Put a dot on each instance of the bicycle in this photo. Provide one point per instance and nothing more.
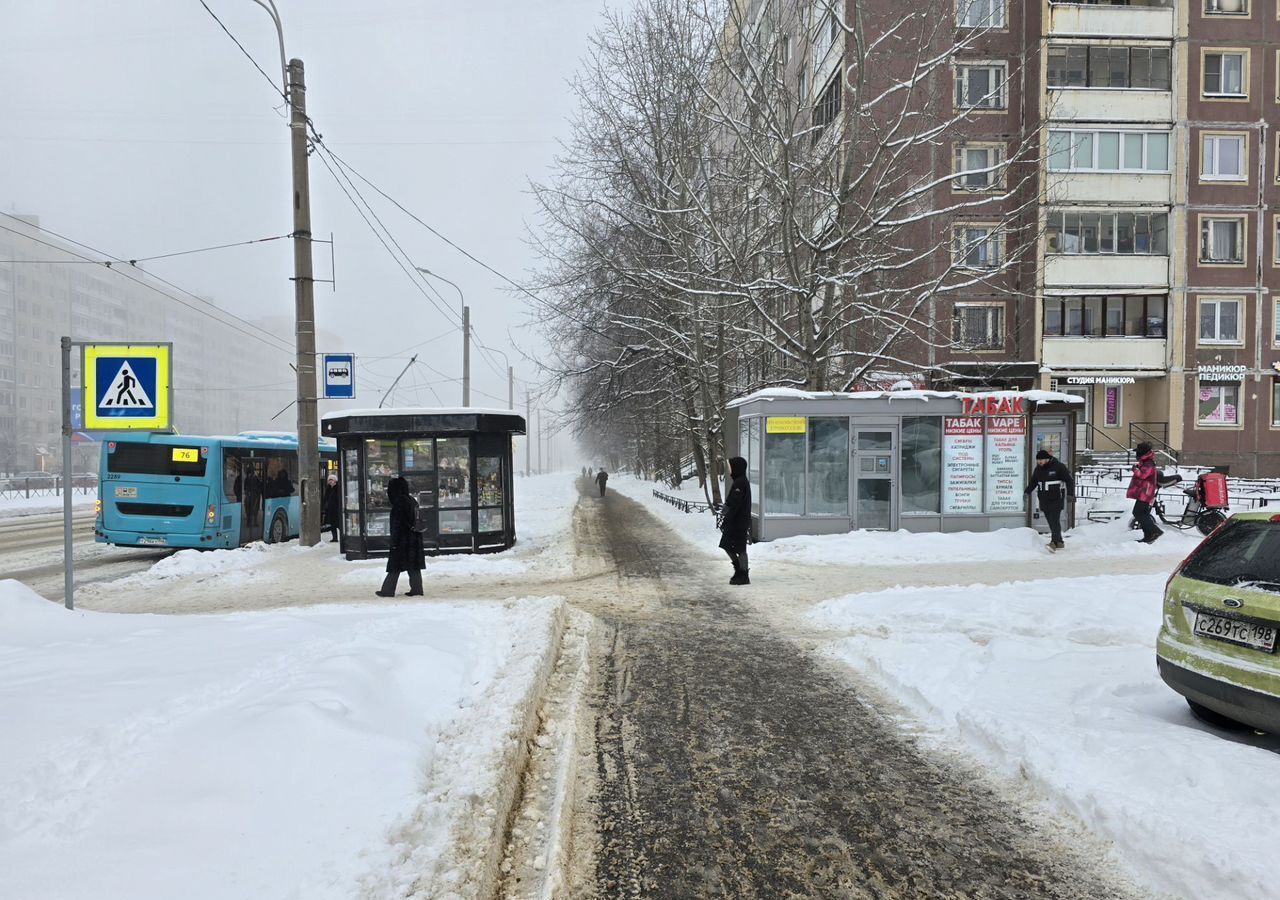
(1198, 513)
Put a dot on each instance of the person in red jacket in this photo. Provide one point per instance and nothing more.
(1142, 490)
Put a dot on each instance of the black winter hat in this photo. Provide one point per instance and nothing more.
(1043, 454)
(1142, 449)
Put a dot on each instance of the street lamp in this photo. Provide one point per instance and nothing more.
(466, 335)
(295, 93)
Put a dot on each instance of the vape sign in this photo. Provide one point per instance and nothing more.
(339, 376)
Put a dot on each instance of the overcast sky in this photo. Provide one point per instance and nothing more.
(139, 128)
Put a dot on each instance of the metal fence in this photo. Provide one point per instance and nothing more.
(12, 486)
(686, 504)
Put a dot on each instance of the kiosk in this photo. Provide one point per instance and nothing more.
(457, 463)
(827, 463)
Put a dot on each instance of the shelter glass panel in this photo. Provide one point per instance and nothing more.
(784, 474)
(828, 466)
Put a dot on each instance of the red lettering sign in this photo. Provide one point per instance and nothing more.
(993, 406)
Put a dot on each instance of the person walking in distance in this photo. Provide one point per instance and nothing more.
(1053, 486)
(1142, 491)
(736, 522)
(332, 507)
(407, 554)
(602, 478)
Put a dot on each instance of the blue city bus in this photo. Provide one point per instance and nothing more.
(180, 490)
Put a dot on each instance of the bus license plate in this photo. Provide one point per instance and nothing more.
(126, 492)
(153, 540)
(1248, 634)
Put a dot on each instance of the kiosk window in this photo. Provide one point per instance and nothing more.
(828, 466)
(921, 464)
(454, 457)
(784, 474)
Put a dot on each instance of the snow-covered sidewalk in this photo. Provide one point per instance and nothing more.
(1051, 682)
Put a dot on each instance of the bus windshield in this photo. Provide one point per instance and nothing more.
(155, 459)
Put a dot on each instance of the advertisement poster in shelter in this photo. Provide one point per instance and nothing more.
(1006, 463)
(962, 464)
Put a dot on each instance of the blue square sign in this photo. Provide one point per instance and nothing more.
(339, 376)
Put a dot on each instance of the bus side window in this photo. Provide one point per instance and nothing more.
(232, 477)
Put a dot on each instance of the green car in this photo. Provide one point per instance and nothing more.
(1217, 644)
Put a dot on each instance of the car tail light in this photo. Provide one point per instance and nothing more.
(212, 515)
(1276, 518)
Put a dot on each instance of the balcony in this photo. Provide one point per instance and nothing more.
(1108, 273)
(1114, 354)
(1065, 188)
(1138, 20)
(1130, 105)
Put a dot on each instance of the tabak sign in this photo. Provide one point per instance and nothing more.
(984, 454)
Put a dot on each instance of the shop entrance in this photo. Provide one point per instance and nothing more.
(1050, 433)
(1084, 435)
(875, 453)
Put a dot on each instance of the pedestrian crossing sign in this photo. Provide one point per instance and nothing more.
(130, 387)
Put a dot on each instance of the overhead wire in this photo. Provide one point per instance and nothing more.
(133, 261)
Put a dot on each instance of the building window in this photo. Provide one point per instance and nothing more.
(1090, 233)
(1226, 7)
(978, 167)
(1108, 151)
(1087, 66)
(1224, 74)
(980, 13)
(1220, 321)
(1222, 157)
(828, 105)
(981, 86)
(1218, 404)
(1275, 240)
(1222, 240)
(979, 326)
(825, 37)
(976, 246)
(1115, 316)
(1275, 403)
(1275, 322)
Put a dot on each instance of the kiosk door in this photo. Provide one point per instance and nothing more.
(875, 477)
(1051, 433)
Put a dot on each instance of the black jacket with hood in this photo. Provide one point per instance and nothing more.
(1054, 482)
(736, 524)
(406, 542)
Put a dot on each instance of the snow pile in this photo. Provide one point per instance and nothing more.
(322, 752)
(1054, 681)
(20, 505)
(1088, 539)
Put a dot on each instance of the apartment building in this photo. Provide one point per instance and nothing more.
(1229, 379)
(225, 380)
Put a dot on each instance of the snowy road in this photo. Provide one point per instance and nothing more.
(729, 762)
(31, 552)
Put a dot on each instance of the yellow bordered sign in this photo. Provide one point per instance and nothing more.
(127, 387)
(784, 425)
(186, 455)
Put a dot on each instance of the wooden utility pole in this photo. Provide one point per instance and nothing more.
(304, 313)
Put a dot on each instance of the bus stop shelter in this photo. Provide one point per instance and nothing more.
(827, 463)
(457, 463)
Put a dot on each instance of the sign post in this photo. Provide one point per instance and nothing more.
(124, 387)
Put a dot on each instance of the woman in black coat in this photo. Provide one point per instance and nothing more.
(407, 554)
(735, 526)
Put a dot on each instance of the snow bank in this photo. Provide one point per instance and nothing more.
(1055, 681)
(1088, 540)
(17, 505)
(320, 752)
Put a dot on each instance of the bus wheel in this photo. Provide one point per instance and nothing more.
(279, 530)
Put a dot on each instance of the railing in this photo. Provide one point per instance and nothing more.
(1154, 433)
(687, 505)
(1242, 493)
(44, 487)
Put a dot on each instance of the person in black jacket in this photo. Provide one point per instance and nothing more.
(602, 478)
(332, 508)
(736, 523)
(1054, 486)
(407, 554)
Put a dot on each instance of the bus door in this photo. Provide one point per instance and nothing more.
(254, 473)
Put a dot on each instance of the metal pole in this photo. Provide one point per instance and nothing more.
(466, 355)
(304, 303)
(68, 561)
(511, 389)
(539, 441)
(528, 434)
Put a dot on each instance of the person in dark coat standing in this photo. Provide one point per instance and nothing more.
(1142, 491)
(602, 478)
(407, 554)
(333, 508)
(1054, 486)
(736, 522)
